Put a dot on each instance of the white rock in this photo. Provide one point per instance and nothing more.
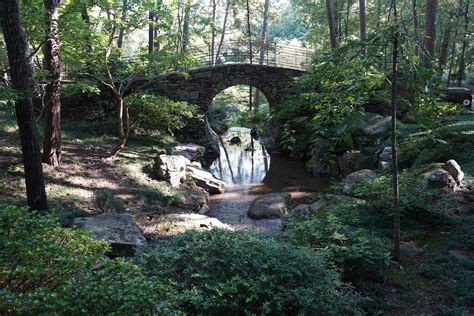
(206, 180)
(454, 170)
(171, 168)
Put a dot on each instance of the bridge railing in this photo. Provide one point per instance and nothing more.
(274, 54)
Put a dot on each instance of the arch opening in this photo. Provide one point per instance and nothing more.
(238, 106)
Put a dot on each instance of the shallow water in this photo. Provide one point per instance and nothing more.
(250, 174)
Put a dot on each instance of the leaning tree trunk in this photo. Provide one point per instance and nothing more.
(21, 74)
(331, 23)
(249, 35)
(52, 58)
(430, 32)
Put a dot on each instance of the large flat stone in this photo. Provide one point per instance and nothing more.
(118, 229)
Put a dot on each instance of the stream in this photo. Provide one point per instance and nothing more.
(250, 174)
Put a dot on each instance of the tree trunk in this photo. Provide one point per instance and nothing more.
(348, 11)
(123, 123)
(263, 48)
(156, 35)
(187, 16)
(462, 60)
(332, 31)
(21, 70)
(249, 35)
(443, 55)
(415, 27)
(224, 26)
(453, 46)
(395, 186)
(362, 22)
(151, 32)
(213, 31)
(430, 32)
(124, 19)
(52, 60)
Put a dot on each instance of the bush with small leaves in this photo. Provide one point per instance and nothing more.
(227, 273)
(47, 269)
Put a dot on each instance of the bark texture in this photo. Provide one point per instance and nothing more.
(52, 129)
(21, 70)
(430, 31)
(331, 23)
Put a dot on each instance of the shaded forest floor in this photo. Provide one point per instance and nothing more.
(86, 183)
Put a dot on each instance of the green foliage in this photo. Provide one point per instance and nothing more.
(220, 272)
(417, 200)
(157, 113)
(8, 96)
(46, 269)
(330, 98)
(429, 112)
(251, 118)
(82, 87)
(335, 233)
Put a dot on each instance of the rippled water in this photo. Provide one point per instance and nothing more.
(251, 173)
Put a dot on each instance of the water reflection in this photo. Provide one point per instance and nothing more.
(251, 173)
(241, 164)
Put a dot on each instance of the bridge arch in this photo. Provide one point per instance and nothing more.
(200, 86)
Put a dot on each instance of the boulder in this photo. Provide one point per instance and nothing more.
(206, 180)
(409, 249)
(454, 170)
(440, 178)
(375, 124)
(271, 205)
(349, 182)
(119, 230)
(351, 161)
(385, 158)
(192, 152)
(177, 223)
(235, 140)
(171, 168)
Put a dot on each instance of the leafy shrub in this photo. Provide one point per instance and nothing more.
(417, 200)
(331, 232)
(46, 269)
(330, 99)
(157, 113)
(226, 273)
(429, 112)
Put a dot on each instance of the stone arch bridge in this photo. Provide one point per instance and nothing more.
(200, 86)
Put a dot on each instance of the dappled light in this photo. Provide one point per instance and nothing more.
(256, 157)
